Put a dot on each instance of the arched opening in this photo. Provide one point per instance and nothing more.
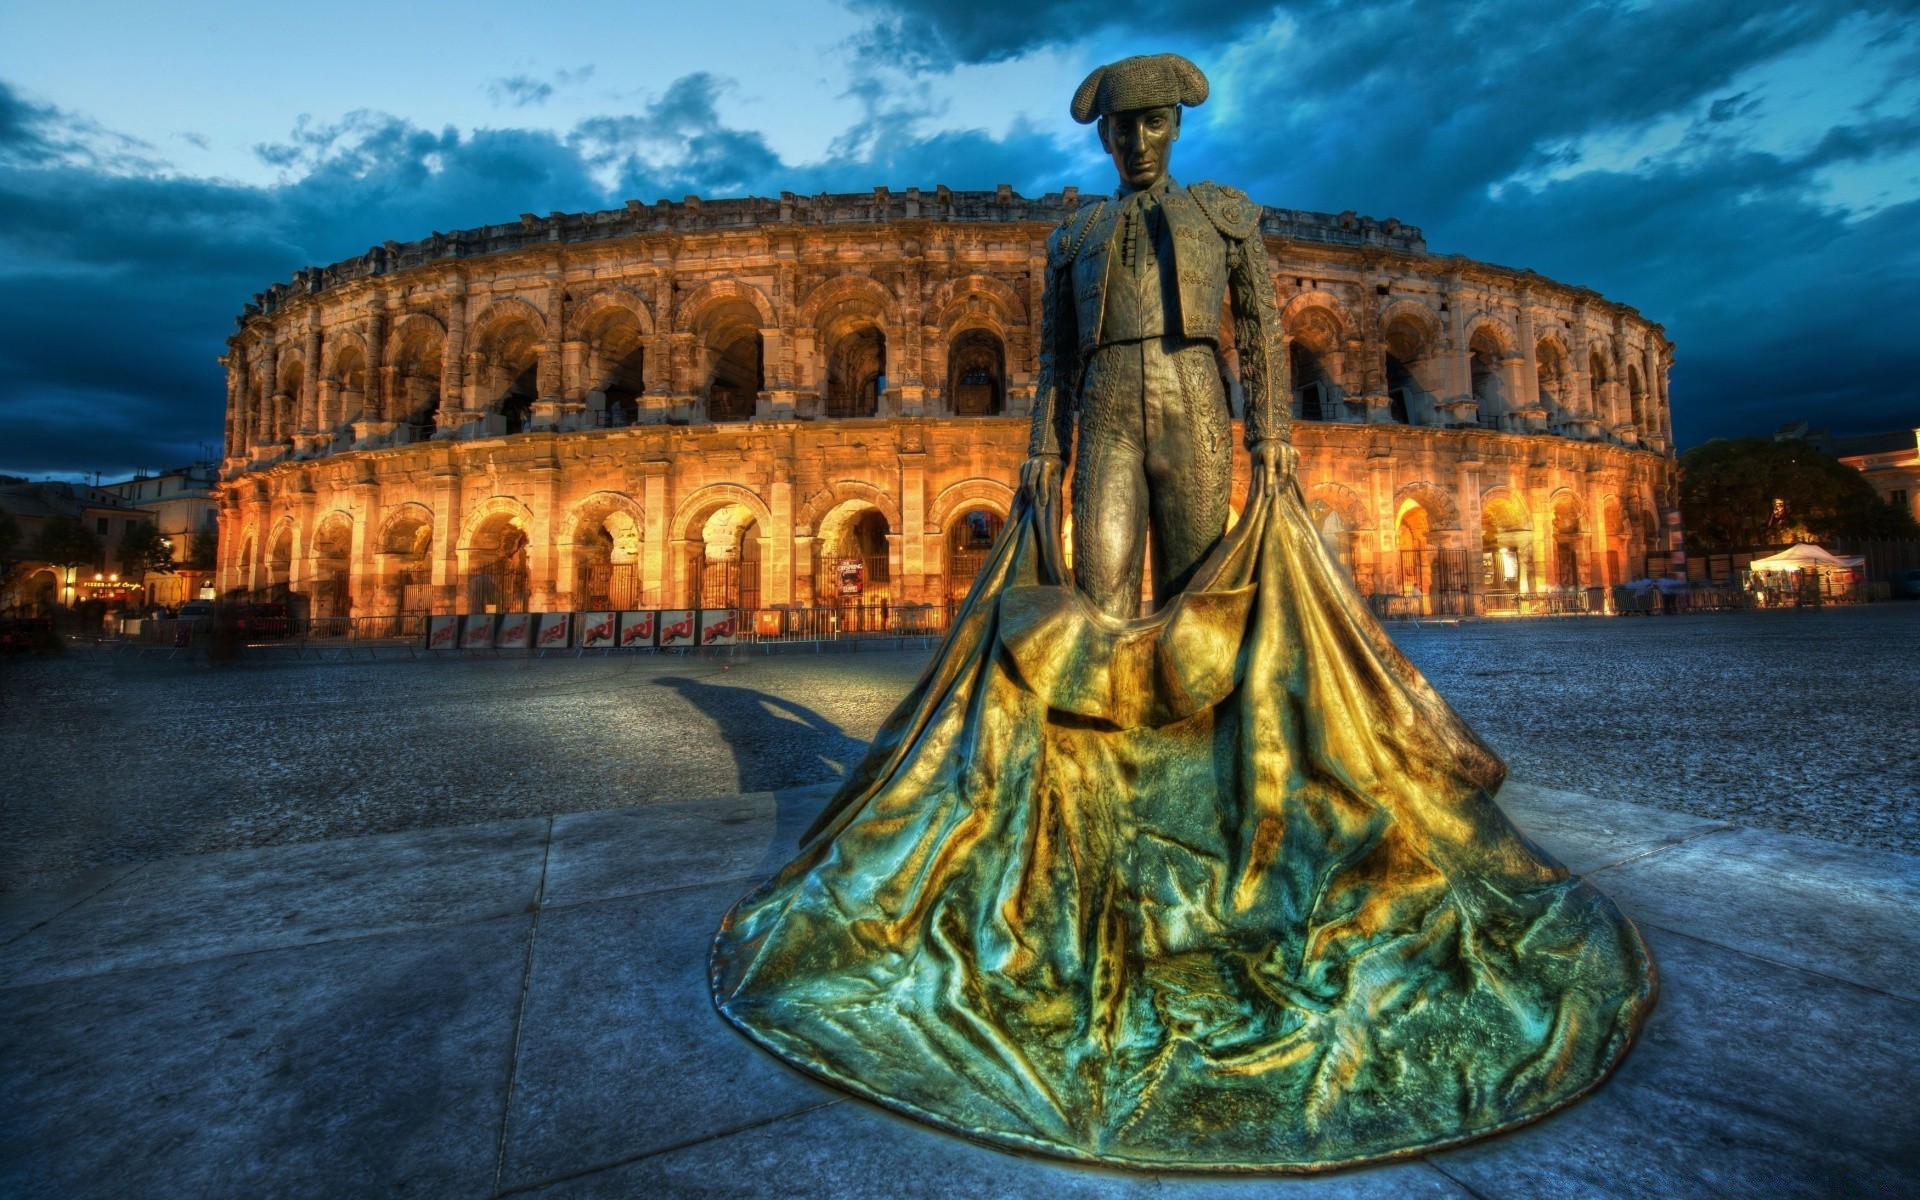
(497, 571)
(970, 536)
(1485, 357)
(1335, 532)
(1312, 386)
(1408, 350)
(1413, 537)
(414, 403)
(408, 548)
(41, 592)
(607, 560)
(332, 560)
(1597, 386)
(509, 375)
(723, 569)
(290, 389)
(1506, 549)
(1550, 368)
(731, 350)
(1637, 399)
(280, 564)
(350, 388)
(1614, 527)
(243, 567)
(616, 362)
(856, 366)
(976, 373)
(1566, 542)
(852, 569)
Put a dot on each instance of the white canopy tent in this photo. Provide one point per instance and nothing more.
(1806, 557)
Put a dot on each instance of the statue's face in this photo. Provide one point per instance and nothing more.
(1141, 142)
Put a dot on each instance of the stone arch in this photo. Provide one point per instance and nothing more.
(1566, 526)
(967, 494)
(282, 549)
(415, 352)
(692, 511)
(1318, 315)
(849, 289)
(1506, 542)
(1489, 346)
(605, 541)
(405, 556)
(346, 377)
(331, 565)
(584, 314)
(1340, 516)
(726, 319)
(614, 334)
(1410, 361)
(496, 552)
(1553, 373)
(855, 528)
(289, 389)
(507, 340)
(824, 501)
(715, 293)
(401, 524)
(977, 301)
(1493, 330)
(1441, 509)
(482, 524)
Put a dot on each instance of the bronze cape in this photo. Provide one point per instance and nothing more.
(1223, 888)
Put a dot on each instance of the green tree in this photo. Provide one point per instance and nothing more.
(203, 551)
(143, 549)
(1761, 492)
(64, 542)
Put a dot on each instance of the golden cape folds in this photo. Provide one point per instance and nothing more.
(1223, 888)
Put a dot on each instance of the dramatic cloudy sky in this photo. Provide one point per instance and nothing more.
(1746, 173)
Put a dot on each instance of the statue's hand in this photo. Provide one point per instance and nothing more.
(1277, 458)
(1040, 479)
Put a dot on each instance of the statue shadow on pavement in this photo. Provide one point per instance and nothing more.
(778, 746)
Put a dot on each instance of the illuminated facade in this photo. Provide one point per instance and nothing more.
(809, 401)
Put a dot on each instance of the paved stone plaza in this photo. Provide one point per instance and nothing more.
(497, 988)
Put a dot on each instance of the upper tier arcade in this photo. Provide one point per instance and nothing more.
(881, 304)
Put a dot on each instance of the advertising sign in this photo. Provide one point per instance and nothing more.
(676, 627)
(477, 632)
(853, 576)
(638, 628)
(516, 632)
(598, 629)
(443, 633)
(551, 630)
(719, 627)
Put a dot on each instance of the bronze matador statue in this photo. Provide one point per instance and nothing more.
(1219, 887)
(1129, 337)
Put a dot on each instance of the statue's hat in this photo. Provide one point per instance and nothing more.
(1143, 81)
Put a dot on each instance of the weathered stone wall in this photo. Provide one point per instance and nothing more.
(642, 388)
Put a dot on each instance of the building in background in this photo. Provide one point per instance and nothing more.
(183, 504)
(822, 401)
(1890, 461)
(39, 587)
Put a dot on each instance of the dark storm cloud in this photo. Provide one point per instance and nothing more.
(119, 283)
(119, 278)
(1784, 303)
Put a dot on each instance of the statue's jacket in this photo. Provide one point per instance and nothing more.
(1217, 256)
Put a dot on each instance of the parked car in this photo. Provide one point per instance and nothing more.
(1910, 585)
(193, 610)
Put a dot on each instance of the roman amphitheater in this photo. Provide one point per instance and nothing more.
(820, 402)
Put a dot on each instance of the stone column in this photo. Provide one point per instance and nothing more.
(776, 558)
(374, 404)
(653, 575)
(453, 362)
(911, 541)
(449, 595)
(309, 417)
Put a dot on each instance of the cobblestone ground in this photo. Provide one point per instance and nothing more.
(1801, 721)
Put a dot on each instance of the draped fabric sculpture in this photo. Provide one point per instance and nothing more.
(1222, 887)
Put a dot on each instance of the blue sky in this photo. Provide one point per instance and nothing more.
(1748, 174)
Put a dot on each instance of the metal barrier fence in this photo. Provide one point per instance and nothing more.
(195, 631)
